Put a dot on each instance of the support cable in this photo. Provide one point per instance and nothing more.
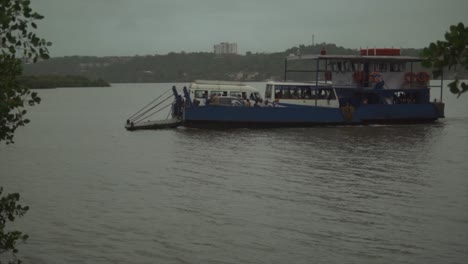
(149, 104)
(159, 110)
(148, 110)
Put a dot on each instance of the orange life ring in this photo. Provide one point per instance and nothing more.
(375, 77)
(328, 75)
(409, 77)
(358, 76)
(422, 77)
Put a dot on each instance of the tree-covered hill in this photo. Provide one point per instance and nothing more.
(183, 67)
(55, 81)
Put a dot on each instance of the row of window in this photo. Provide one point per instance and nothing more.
(347, 66)
(299, 92)
(204, 94)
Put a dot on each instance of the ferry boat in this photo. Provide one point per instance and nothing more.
(376, 86)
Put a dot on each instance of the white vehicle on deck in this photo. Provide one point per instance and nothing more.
(201, 91)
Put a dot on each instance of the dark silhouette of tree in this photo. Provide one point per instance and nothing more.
(17, 41)
(449, 54)
(9, 210)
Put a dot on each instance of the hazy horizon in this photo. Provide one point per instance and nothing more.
(145, 27)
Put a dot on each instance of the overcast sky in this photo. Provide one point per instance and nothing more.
(140, 27)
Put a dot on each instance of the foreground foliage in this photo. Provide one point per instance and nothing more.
(17, 40)
(10, 209)
(449, 54)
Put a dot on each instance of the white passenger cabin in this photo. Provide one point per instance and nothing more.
(201, 90)
(301, 94)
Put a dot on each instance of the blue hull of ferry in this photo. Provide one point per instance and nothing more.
(217, 116)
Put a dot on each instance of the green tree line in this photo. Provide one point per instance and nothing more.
(186, 67)
(55, 81)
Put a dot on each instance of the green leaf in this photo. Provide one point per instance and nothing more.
(37, 16)
(464, 87)
(454, 87)
(44, 56)
(448, 54)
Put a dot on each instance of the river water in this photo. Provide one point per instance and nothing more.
(364, 194)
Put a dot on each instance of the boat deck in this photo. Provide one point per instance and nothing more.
(158, 124)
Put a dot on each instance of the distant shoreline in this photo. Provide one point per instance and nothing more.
(59, 81)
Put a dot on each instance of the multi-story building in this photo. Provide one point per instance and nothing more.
(225, 48)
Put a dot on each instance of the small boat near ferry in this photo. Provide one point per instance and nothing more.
(376, 86)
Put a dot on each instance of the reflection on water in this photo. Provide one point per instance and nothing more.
(365, 194)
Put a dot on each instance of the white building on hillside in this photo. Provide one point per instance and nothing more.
(225, 48)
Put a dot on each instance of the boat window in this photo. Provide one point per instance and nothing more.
(402, 67)
(278, 91)
(339, 66)
(235, 94)
(295, 92)
(290, 92)
(299, 91)
(329, 94)
(200, 93)
(356, 67)
(257, 96)
(268, 91)
(307, 92)
(320, 94)
(218, 93)
(405, 98)
(380, 67)
(346, 66)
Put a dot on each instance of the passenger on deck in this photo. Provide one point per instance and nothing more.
(279, 94)
(207, 99)
(402, 98)
(257, 103)
(379, 85)
(247, 103)
(236, 102)
(215, 99)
